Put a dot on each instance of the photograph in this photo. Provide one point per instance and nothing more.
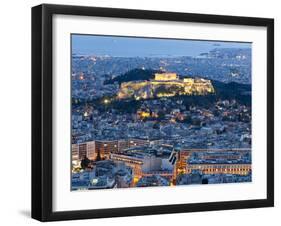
(147, 112)
(153, 112)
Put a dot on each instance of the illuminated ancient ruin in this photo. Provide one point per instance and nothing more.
(165, 85)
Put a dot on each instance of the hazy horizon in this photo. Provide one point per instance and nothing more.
(145, 47)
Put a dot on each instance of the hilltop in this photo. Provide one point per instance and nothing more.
(232, 90)
(133, 75)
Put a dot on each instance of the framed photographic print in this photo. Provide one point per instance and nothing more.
(146, 112)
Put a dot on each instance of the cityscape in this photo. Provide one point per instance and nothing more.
(159, 112)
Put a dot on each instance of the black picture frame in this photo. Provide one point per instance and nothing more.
(42, 106)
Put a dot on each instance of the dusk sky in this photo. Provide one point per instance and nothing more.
(145, 47)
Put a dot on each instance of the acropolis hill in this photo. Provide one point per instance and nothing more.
(165, 85)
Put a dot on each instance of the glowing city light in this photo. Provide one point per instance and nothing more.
(106, 101)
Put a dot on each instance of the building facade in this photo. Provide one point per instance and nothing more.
(79, 151)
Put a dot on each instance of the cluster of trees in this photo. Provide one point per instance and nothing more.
(233, 91)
